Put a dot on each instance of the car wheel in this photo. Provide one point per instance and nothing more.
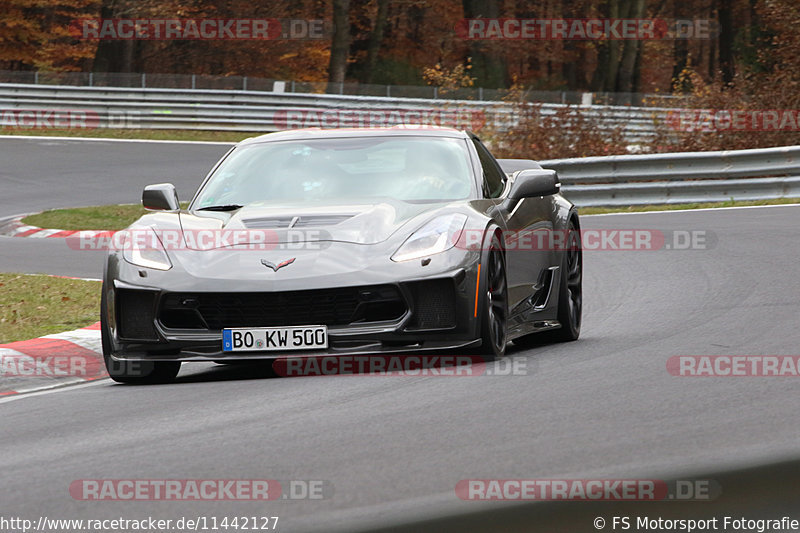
(495, 303)
(133, 372)
(570, 296)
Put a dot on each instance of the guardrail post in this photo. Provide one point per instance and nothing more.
(341, 87)
(292, 85)
(244, 83)
(143, 80)
(194, 81)
(435, 93)
(388, 90)
(480, 93)
(91, 79)
(36, 78)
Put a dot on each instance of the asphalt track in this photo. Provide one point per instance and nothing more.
(393, 448)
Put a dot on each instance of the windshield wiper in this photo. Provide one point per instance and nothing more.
(228, 207)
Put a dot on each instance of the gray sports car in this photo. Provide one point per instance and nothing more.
(349, 241)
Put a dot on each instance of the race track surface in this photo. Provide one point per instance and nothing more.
(393, 448)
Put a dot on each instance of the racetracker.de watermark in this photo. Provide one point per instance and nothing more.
(586, 490)
(399, 366)
(533, 240)
(49, 119)
(728, 366)
(262, 29)
(198, 240)
(67, 119)
(733, 120)
(460, 118)
(542, 239)
(199, 489)
(50, 366)
(574, 29)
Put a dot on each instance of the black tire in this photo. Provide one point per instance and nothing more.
(132, 372)
(570, 296)
(494, 315)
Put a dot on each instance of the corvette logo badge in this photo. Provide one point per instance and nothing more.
(275, 267)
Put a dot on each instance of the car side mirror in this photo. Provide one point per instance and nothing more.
(160, 197)
(534, 182)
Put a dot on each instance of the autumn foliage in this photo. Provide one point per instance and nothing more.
(749, 63)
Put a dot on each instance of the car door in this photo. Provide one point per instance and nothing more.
(529, 226)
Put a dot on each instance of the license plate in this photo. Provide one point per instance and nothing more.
(274, 339)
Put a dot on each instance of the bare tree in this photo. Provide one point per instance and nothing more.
(726, 37)
(376, 39)
(487, 64)
(626, 79)
(340, 42)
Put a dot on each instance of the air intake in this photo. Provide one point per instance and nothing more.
(267, 222)
(320, 220)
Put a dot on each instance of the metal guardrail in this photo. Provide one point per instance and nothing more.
(249, 83)
(264, 111)
(591, 181)
(688, 177)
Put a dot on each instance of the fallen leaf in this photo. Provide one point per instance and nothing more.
(65, 298)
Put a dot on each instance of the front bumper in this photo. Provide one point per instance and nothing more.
(138, 330)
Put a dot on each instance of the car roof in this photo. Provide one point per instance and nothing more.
(332, 133)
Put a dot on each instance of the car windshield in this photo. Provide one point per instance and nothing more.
(413, 169)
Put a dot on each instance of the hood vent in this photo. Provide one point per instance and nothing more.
(320, 220)
(295, 222)
(268, 222)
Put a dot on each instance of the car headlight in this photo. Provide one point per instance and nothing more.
(142, 247)
(438, 235)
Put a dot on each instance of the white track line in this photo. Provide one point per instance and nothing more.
(59, 387)
(105, 139)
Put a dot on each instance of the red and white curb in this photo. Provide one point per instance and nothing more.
(15, 228)
(52, 361)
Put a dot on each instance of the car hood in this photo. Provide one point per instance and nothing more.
(364, 223)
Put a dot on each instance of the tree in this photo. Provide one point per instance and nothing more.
(340, 42)
(376, 39)
(487, 64)
(39, 34)
(726, 38)
(626, 79)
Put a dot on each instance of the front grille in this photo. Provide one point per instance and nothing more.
(135, 314)
(434, 304)
(329, 307)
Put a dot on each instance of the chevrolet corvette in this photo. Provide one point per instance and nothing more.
(345, 241)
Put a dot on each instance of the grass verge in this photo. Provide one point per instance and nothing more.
(36, 305)
(110, 217)
(99, 217)
(679, 207)
(130, 133)
(116, 217)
